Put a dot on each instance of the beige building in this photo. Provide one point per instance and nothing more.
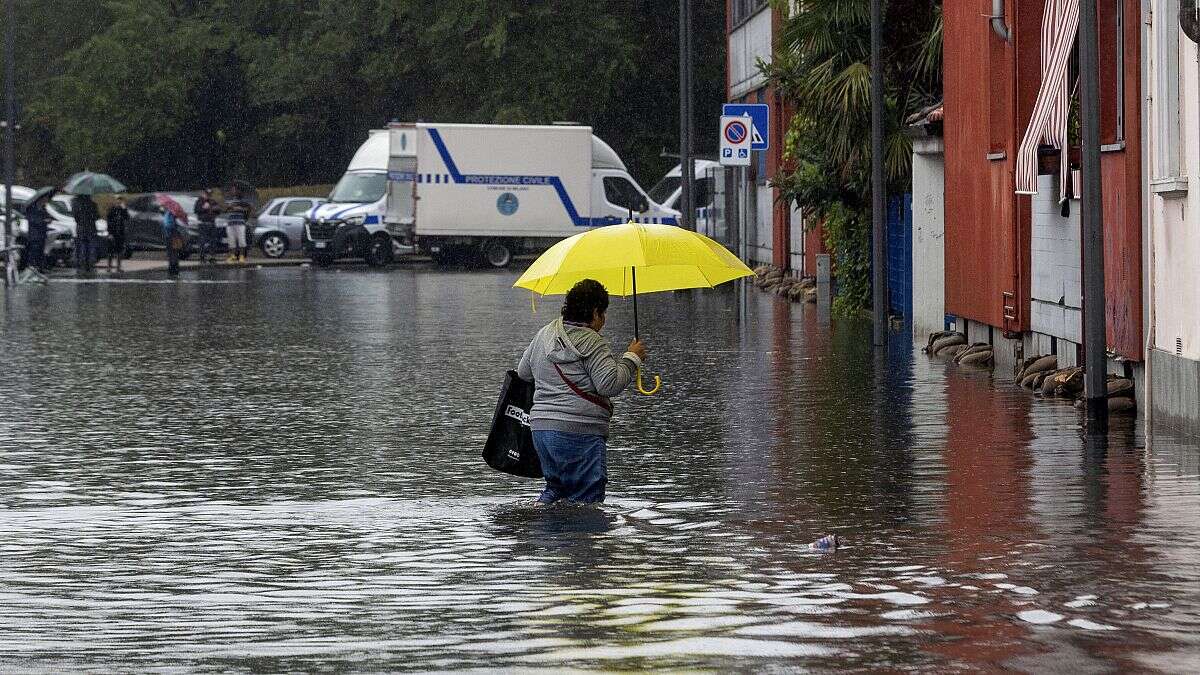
(1172, 218)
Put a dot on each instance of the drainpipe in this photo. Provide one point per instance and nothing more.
(998, 24)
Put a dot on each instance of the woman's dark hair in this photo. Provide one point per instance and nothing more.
(583, 300)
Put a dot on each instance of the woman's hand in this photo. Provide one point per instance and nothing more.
(638, 349)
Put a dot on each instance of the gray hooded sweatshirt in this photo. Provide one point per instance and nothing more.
(585, 360)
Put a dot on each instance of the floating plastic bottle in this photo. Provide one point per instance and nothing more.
(826, 543)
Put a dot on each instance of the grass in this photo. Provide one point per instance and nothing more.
(267, 194)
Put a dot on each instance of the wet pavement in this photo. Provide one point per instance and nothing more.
(279, 469)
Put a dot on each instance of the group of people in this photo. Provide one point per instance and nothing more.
(237, 211)
(86, 214)
(87, 239)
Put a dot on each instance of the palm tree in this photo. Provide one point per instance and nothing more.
(821, 67)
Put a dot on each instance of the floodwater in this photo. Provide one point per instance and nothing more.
(281, 472)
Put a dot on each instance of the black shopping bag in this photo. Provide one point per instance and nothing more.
(509, 445)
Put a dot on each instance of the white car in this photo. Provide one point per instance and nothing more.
(60, 238)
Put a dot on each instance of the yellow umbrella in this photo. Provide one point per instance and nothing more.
(634, 257)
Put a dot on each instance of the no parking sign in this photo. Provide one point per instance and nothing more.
(736, 138)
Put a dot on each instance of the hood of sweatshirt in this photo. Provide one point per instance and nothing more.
(564, 342)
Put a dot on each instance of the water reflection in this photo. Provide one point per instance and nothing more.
(280, 472)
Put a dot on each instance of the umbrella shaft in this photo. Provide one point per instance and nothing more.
(636, 335)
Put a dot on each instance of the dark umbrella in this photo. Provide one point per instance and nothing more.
(92, 183)
(174, 207)
(43, 193)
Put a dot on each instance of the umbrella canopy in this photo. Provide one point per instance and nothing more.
(92, 183)
(634, 258)
(174, 207)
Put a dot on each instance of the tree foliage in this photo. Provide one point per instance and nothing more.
(822, 67)
(182, 93)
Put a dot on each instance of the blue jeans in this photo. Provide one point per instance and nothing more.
(575, 466)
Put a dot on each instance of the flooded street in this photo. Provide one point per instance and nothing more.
(279, 470)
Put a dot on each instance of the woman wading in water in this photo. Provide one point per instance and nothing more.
(575, 374)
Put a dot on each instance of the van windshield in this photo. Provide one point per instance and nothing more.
(664, 189)
(359, 188)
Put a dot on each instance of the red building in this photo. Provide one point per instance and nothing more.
(1012, 260)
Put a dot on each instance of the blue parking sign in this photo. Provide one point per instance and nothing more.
(760, 117)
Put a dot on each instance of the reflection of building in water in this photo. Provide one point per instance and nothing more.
(986, 515)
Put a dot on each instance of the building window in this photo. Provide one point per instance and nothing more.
(1167, 160)
(744, 9)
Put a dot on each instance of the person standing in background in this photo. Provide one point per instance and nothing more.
(207, 210)
(35, 239)
(118, 218)
(86, 213)
(235, 227)
(173, 238)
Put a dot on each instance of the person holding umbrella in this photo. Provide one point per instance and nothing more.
(39, 222)
(86, 213)
(174, 236)
(576, 374)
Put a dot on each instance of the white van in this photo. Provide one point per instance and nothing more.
(668, 191)
(500, 190)
(351, 223)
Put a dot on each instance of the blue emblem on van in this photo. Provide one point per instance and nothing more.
(507, 204)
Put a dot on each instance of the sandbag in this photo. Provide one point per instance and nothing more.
(973, 349)
(984, 358)
(948, 341)
(1040, 364)
(952, 351)
(1120, 386)
(934, 337)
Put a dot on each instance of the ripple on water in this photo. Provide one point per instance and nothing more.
(281, 472)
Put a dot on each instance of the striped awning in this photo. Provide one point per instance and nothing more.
(1060, 24)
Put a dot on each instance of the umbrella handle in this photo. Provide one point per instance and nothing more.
(642, 388)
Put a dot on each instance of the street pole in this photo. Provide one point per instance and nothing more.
(879, 280)
(686, 163)
(1095, 343)
(10, 130)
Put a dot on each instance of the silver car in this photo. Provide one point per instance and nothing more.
(281, 224)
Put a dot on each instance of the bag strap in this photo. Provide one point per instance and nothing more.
(591, 398)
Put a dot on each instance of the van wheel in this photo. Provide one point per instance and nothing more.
(379, 253)
(497, 254)
(322, 259)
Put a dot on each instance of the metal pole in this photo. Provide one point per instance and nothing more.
(690, 162)
(878, 263)
(1095, 343)
(10, 130)
(685, 114)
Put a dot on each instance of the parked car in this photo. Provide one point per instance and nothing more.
(144, 232)
(281, 224)
(60, 239)
(21, 195)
